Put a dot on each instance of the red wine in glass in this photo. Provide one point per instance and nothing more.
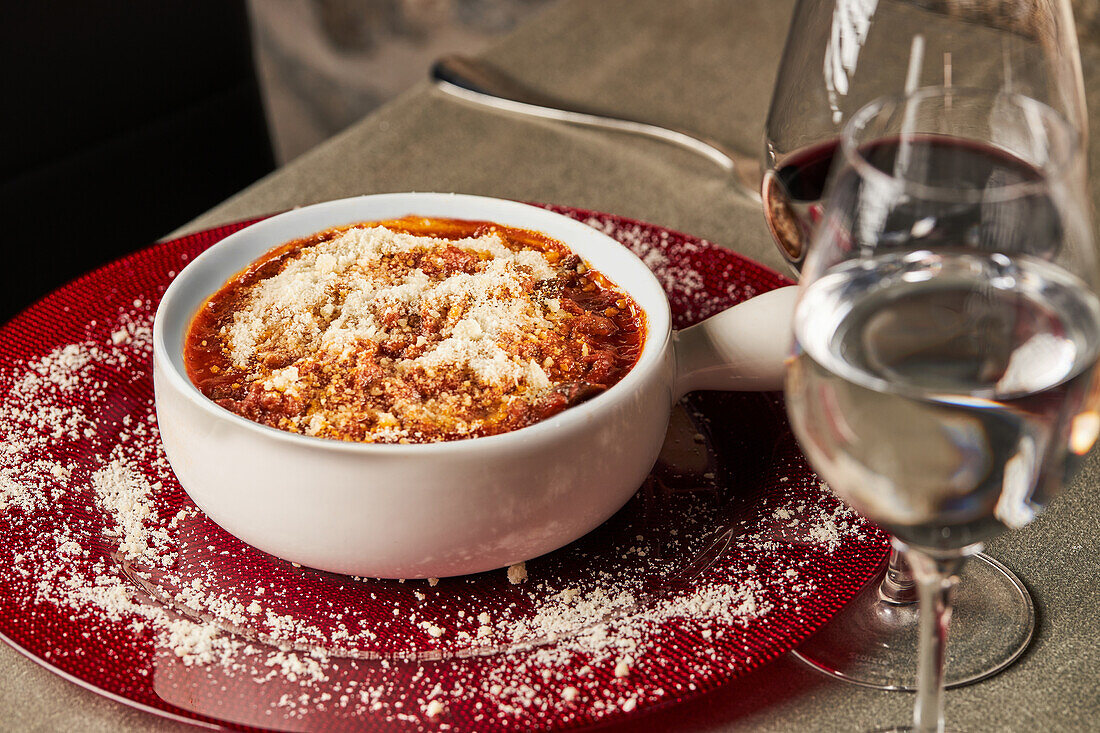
(792, 196)
(793, 192)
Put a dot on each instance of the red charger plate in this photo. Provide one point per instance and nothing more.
(730, 555)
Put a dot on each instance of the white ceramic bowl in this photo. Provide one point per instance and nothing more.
(442, 509)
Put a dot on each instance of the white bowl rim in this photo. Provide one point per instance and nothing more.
(658, 336)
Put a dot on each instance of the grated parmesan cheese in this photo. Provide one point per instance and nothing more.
(517, 573)
(378, 335)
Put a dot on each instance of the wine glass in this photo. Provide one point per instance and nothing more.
(839, 55)
(943, 378)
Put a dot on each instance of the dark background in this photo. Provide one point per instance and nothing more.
(122, 121)
(125, 120)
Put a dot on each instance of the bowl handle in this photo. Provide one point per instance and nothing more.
(743, 348)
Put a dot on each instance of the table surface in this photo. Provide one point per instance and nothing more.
(682, 64)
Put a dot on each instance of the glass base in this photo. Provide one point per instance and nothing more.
(874, 644)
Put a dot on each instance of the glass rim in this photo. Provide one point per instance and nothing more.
(1055, 167)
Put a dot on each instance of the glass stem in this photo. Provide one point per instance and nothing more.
(898, 587)
(936, 579)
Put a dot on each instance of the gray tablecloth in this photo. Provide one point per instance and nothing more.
(707, 65)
